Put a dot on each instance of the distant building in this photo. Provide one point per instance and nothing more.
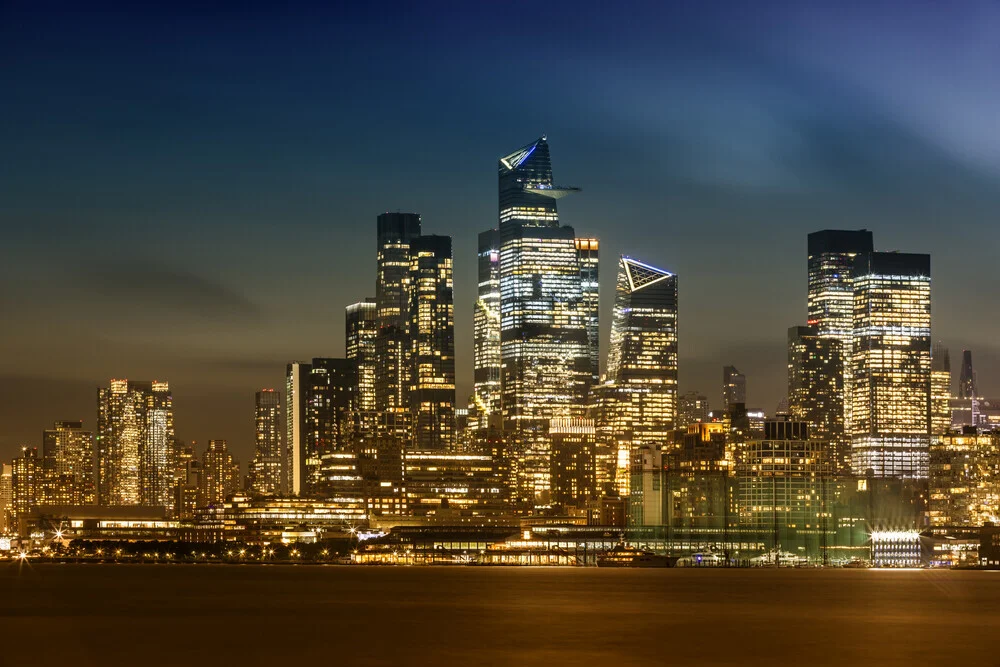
(362, 331)
(392, 302)
(816, 390)
(940, 390)
(964, 482)
(734, 387)
(26, 482)
(782, 484)
(431, 392)
(642, 357)
(967, 380)
(486, 320)
(692, 407)
(268, 464)
(832, 253)
(891, 365)
(135, 436)
(220, 474)
(68, 455)
(574, 462)
(588, 254)
(6, 498)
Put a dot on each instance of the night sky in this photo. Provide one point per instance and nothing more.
(192, 196)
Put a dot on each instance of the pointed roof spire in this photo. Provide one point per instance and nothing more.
(641, 275)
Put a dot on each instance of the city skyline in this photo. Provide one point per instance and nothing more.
(207, 314)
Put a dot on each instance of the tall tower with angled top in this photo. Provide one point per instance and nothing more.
(545, 354)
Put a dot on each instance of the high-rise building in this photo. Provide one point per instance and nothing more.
(940, 389)
(588, 254)
(642, 356)
(967, 380)
(964, 482)
(890, 368)
(544, 346)
(392, 308)
(782, 480)
(220, 474)
(68, 455)
(734, 387)
(816, 389)
(330, 398)
(574, 461)
(486, 320)
(269, 459)
(692, 407)
(296, 396)
(26, 482)
(135, 437)
(432, 339)
(831, 291)
(362, 331)
(6, 498)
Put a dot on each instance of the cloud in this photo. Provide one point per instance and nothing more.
(148, 287)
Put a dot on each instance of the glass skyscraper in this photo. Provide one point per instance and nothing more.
(135, 444)
(486, 321)
(642, 356)
(831, 291)
(432, 340)
(588, 254)
(940, 389)
(392, 304)
(544, 345)
(816, 390)
(269, 460)
(890, 370)
(361, 334)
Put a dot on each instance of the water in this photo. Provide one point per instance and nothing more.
(281, 615)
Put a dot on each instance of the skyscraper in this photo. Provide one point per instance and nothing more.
(268, 464)
(220, 474)
(296, 395)
(734, 387)
(816, 390)
(967, 380)
(135, 436)
(26, 482)
(68, 460)
(544, 346)
(642, 356)
(361, 335)
(432, 339)
(692, 407)
(940, 389)
(587, 251)
(392, 304)
(890, 368)
(330, 398)
(486, 320)
(831, 291)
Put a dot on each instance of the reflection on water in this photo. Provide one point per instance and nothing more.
(279, 615)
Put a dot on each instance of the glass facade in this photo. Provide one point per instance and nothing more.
(544, 345)
(135, 444)
(486, 321)
(831, 292)
(816, 389)
(361, 333)
(392, 303)
(588, 254)
(940, 390)
(68, 454)
(432, 339)
(268, 465)
(890, 370)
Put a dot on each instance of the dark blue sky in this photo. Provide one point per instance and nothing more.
(192, 196)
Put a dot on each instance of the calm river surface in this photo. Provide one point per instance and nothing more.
(225, 615)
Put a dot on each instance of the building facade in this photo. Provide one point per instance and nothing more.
(135, 438)
(734, 387)
(940, 390)
(486, 322)
(361, 335)
(268, 472)
(816, 389)
(432, 338)
(890, 369)
(68, 461)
